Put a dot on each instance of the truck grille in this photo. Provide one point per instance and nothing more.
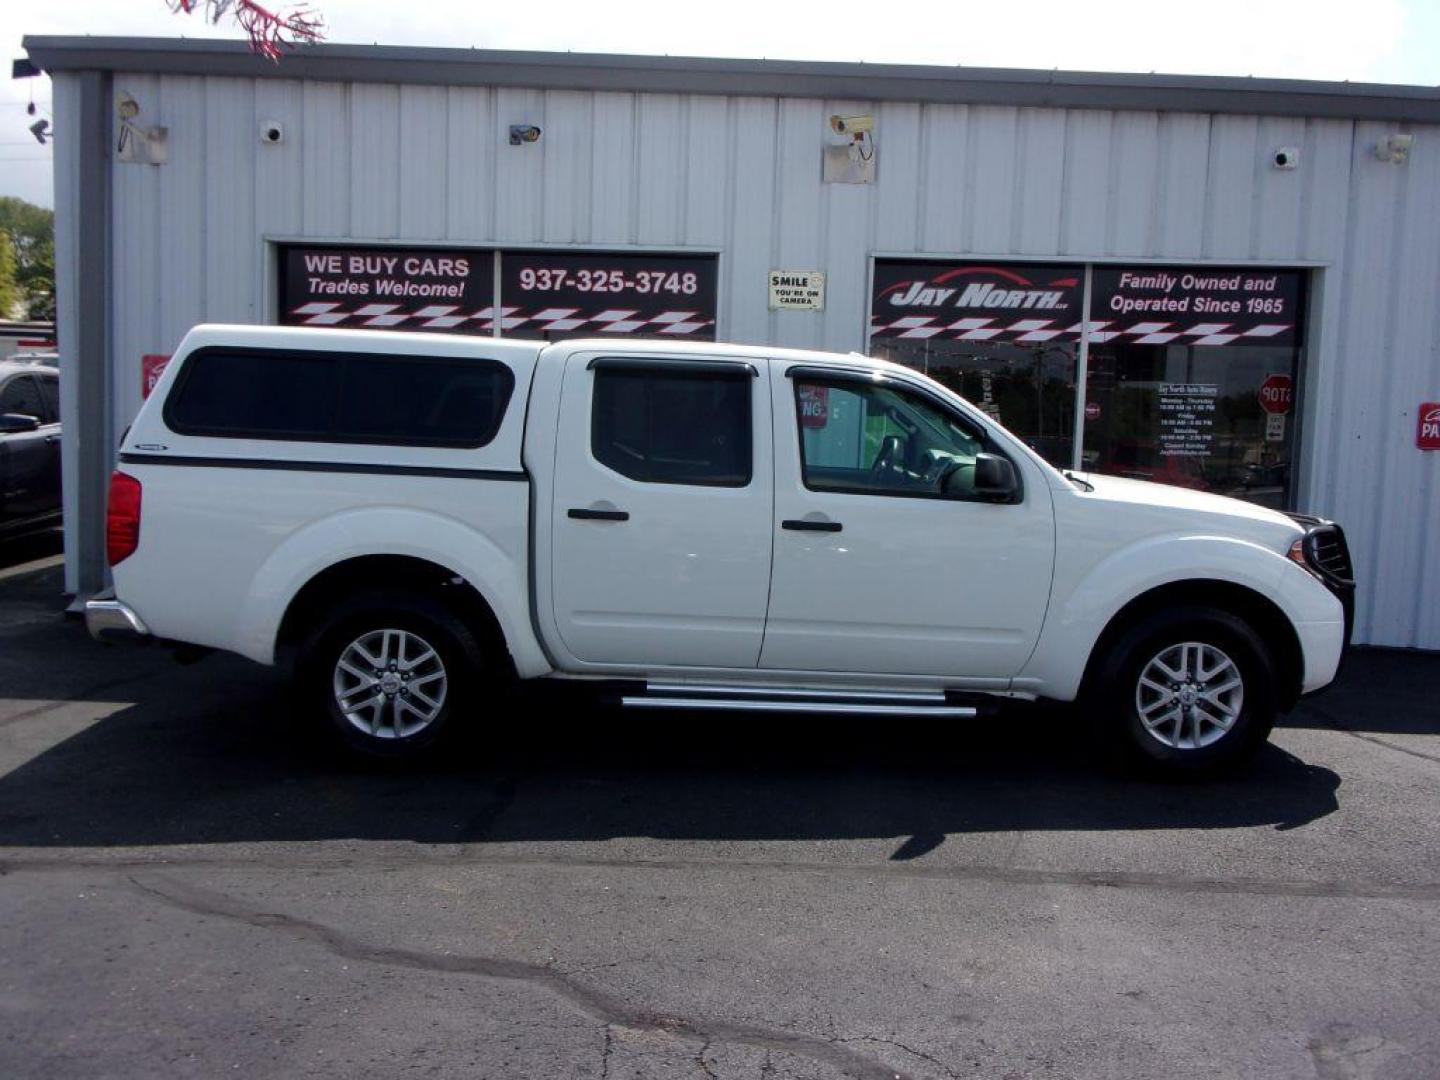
(1327, 551)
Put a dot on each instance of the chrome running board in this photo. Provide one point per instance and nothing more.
(790, 700)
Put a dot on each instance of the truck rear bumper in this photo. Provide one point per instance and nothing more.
(109, 619)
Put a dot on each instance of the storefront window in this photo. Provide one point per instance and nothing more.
(1191, 370)
(1191, 376)
(1005, 337)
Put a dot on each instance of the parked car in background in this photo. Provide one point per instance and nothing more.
(44, 359)
(29, 447)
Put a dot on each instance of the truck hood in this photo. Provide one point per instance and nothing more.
(1186, 508)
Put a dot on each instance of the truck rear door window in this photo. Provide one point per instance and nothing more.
(666, 427)
(340, 397)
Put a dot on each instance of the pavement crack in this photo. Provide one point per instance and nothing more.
(605, 1008)
(705, 1065)
(606, 1051)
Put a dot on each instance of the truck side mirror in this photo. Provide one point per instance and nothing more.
(12, 423)
(995, 477)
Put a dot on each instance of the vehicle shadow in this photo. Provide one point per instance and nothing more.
(1382, 691)
(209, 754)
(20, 550)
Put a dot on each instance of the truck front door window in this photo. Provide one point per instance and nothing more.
(881, 440)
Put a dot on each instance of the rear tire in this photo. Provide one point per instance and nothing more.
(388, 673)
(1188, 690)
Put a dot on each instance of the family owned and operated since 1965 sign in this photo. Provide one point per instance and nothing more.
(541, 294)
(1162, 305)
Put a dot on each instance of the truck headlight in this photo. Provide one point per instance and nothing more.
(1296, 554)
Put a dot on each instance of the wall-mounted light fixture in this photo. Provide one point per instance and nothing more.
(520, 134)
(1395, 149)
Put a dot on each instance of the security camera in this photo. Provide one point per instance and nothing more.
(523, 133)
(1287, 157)
(852, 125)
(1395, 148)
(272, 132)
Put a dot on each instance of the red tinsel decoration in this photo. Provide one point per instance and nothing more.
(269, 32)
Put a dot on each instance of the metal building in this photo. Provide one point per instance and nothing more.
(1225, 283)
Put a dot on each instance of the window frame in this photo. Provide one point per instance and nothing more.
(842, 377)
(706, 369)
(49, 394)
(343, 359)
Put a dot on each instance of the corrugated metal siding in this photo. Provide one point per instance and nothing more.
(742, 175)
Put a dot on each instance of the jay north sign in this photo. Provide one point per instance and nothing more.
(977, 302)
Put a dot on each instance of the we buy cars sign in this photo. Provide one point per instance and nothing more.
(1276, 394)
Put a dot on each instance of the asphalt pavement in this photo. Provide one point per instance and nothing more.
(191, 887)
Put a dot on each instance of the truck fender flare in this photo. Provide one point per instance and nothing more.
(497, 575)
(1076, 622)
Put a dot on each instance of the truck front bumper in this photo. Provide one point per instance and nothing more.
(109, 619)
(1322, 648)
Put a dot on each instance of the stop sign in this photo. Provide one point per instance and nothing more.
(1275, 393)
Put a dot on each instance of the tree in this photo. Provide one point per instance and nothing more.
(269, 31)
(30, 251)
(10, 295)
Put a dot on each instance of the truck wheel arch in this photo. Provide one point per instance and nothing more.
(1258, 610)
(342, 578)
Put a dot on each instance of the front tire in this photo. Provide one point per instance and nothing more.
(388, 673)
(1188, 690)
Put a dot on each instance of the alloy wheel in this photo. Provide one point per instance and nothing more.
(390, 684)
(1189, 695)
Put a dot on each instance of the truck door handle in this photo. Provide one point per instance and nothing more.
(597, 515)
(804, 525)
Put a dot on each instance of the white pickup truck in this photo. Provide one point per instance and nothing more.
(415, 519)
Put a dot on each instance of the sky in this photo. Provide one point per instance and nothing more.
(1390, 41)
